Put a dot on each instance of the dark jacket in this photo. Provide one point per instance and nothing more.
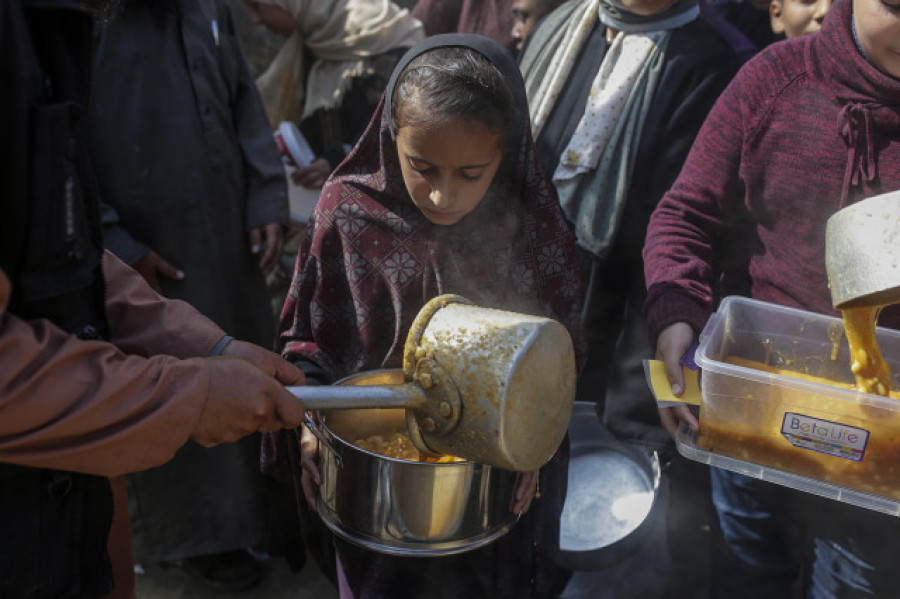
(185, 156)
(187, 166)
(54, 524)
(699, 64)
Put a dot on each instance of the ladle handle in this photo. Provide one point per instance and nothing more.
(345, 397)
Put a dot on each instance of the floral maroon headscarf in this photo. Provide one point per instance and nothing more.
(370, 260)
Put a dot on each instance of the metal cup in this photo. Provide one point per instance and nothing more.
(487, 385)
(506, 380)
(862, 252)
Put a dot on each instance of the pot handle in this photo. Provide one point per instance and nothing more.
(344, 397)
(323, 440)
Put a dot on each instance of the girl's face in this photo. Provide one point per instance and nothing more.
(878, 29)
(448, 167)
(274, 18)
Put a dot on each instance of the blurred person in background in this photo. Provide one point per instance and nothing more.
(792, 18)
(330, 74)
(618, 90)
(490, 18)
(751, 17)
(526, 15)
(195, 200)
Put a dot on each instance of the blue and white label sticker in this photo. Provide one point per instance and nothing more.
(824, 436)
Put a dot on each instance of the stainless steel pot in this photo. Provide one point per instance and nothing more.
(401, 507)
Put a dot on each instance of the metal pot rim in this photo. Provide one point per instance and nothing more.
(322, 425)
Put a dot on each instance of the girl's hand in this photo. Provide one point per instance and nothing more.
(526, 490)
(310, 479)
(673, 341)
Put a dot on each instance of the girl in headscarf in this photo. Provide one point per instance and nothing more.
(334, 65)
(443, 194)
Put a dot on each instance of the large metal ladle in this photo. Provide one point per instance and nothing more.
(862, 252)
(487, 385)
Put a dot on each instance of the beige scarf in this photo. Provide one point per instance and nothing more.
(552, 63)
(342, 35)
(593, 175)
(626, 61)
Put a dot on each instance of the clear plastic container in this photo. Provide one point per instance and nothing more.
(808, 434)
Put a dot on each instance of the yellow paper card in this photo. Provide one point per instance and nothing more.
(655, 371)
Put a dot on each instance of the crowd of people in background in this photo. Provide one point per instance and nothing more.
(660, 150)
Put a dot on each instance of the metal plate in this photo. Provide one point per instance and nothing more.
(611, 497)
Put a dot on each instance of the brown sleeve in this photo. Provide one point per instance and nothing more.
(85, 405)
(144, 323)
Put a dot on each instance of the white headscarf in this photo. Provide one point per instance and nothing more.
(342, 35)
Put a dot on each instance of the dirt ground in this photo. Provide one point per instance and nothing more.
(645, 574)
(278, 582)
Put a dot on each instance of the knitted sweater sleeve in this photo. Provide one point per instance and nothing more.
(688, 232)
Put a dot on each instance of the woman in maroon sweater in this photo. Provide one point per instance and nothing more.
(807, 127)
